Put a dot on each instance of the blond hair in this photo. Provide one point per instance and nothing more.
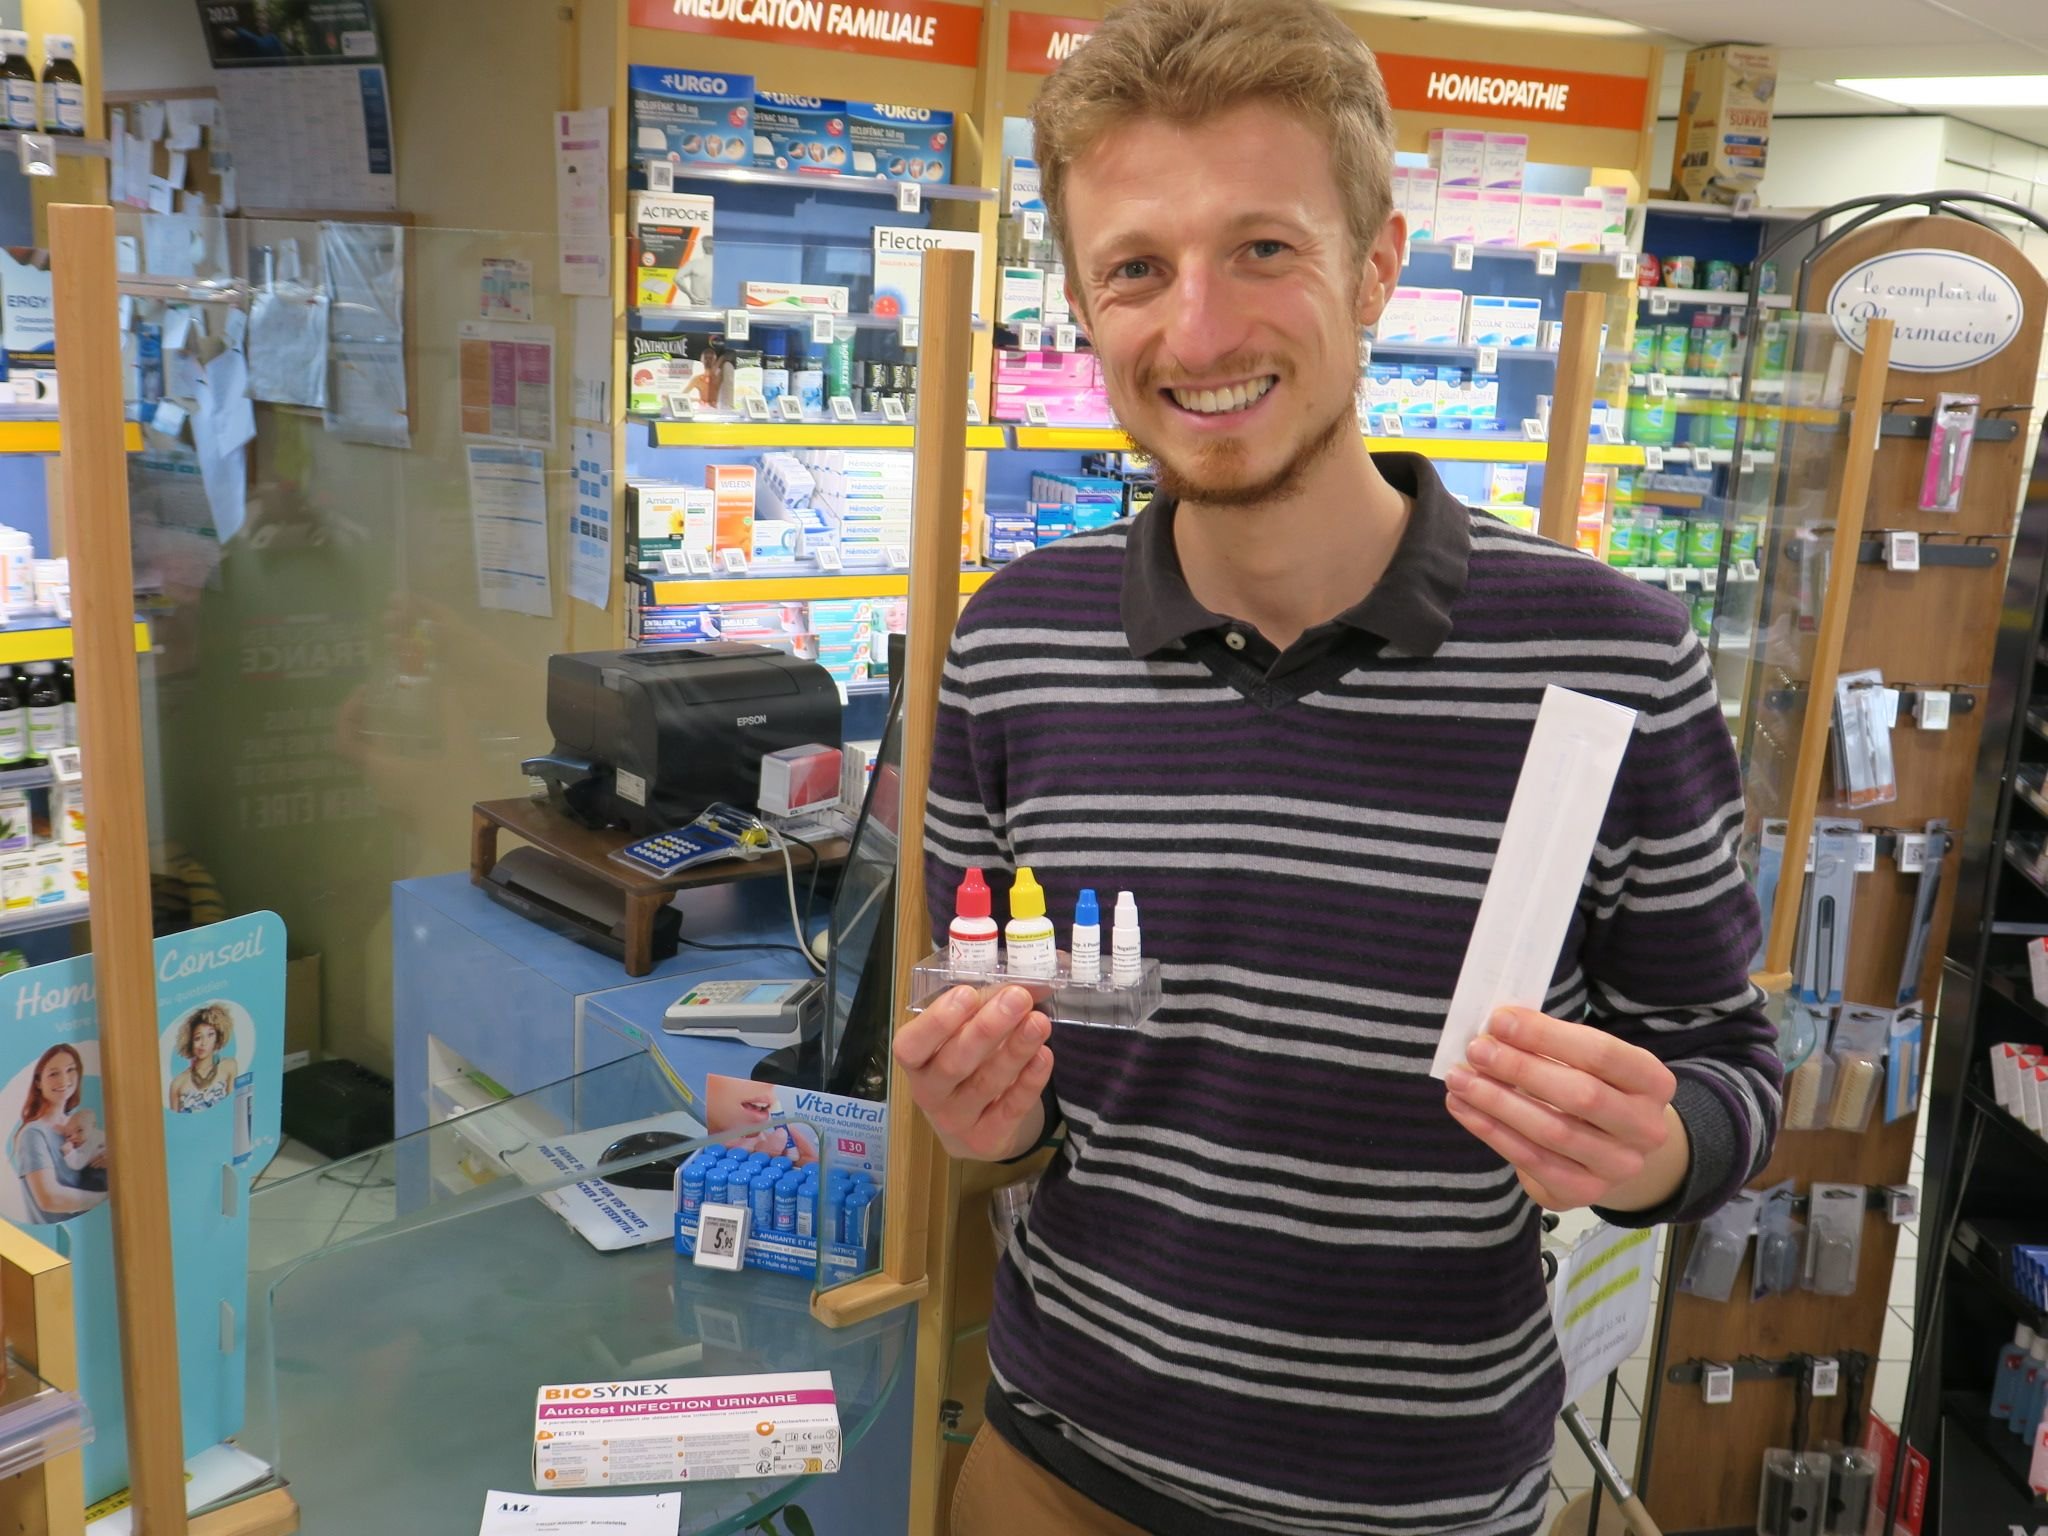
(1188, 60)
(210, 1016)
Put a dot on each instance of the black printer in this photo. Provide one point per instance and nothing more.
(645, 739)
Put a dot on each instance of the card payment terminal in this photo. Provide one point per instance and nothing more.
(763, 1013)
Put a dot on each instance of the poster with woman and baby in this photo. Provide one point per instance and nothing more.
(220, 1023)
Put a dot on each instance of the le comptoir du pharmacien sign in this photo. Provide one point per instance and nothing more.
(1950, 311)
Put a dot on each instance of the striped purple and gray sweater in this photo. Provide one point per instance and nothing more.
(1268, 1284)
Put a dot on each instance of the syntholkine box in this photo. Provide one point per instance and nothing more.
(683, 1429)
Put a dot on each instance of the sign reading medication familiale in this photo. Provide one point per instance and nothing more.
(1949, 311)
(933, 31)
(1040, 44)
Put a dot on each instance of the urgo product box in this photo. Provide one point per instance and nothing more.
(613, 1434)
(800, 133)
(899, 143)
(691, 117)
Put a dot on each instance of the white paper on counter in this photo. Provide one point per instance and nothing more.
(508, 514)
(1553, 822)
(558, 1514)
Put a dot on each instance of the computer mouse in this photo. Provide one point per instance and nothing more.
(659, 1174)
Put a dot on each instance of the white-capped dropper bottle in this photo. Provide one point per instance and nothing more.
(1126, 956)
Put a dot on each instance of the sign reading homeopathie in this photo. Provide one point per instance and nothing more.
(934, 31)
(1950, 311)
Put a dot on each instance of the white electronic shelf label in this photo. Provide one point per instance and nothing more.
(661, 176)
(1748, 570)
(1624, 264)
(734, 561)
(1391, 425)
(792, 408)
(842, 409)
(1866, 853)
(721, 1236)
(1488, 360)
(909, 197)
(973, 413)
(1717, 1382)
(681, 407)
(700, 562)
(1553, 335)
(1675, 578)
(1030, 336)
(1745, 205)
(1748, 462)
(675, 562)
(899, 557)
(1710, 580)
(1546, 263)
(906, 331)
(757, 407)
(1653, 460)
(1532, 428)
(1703, 458)
(892, 411)
(828, 558)
(739, 325)
(1660, 302)
(1912, 852)
(1902, 551)
(1034, 224)
(1034, 414)
(1827, 1371)
(1660, 386)
(1461, 256)
(1065, 338)
(824, 330)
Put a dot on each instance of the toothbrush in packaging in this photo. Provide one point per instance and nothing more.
(1950, 435)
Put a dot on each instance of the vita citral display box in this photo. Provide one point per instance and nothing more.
(613, 1434)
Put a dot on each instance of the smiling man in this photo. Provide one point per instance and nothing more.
(1277, 1278)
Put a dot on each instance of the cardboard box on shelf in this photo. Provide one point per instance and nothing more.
(1724, 122)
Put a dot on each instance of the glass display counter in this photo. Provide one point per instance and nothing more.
(393, 1372)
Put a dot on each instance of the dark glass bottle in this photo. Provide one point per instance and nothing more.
(13, 721)
(45, 712)
(18, 83)
(63, 87)
(67, 690)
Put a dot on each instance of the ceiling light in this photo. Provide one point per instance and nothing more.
(1955, 90)
(1493, 16)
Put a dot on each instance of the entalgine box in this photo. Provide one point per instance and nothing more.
(691, 117)
(614, 1434)
(800, 133)
(1724, 122)
(670, 250)
(899, 143)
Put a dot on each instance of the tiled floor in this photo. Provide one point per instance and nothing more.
(1572, 1474)
(327, 1207)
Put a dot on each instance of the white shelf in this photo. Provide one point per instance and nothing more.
(37, 1422)
(805, 181)
(1524, 254)
(1706, 384)
(1720, 211)
(677, 319)
(1719, 297)
(56, 914)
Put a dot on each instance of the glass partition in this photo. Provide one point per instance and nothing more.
(394, 1367)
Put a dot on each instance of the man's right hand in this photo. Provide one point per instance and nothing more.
(978, 1069)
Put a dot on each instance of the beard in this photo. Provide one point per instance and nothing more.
(1216, 478)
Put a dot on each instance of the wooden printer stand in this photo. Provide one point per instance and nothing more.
(590, 852)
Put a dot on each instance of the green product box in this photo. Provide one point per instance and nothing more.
(1667, 549)
(1624, 541)
(1642, 356)
(1703, 615)
(1673, 348)
(1742, 543)
(1703, 542)
(1651, 421)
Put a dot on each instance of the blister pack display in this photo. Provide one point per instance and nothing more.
(1088, 1005)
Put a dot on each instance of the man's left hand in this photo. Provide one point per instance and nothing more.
(1582, 1117)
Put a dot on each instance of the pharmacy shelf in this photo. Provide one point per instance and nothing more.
(58, 914)
(1719, 210)
(1523, 254)
(805, 434)
(793, 589)
(44, 437)
(1716, 296)
(1463, 354)
(1708, 384)
(1674, 576)
(25, 778)
(1469, 448)
(38, 1423)
(825, 181)
(66, 144)
(26, 643)
(679, 319)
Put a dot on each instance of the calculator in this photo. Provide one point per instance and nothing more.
(754, 1012)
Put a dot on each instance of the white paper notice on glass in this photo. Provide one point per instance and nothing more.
(590, 520)
(590, 361)
(1553, 822)
(1600, 1303)
(508, 516)
(541, 1514)
(583, 223)
(506, 380)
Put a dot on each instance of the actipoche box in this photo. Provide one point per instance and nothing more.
(1497, 219)
(800, 133)
(1458, 157)
(1506, 161)
(811, 298)
(899, 264)
(899, 143)
(1457, 214)
(616, 1434)
(670, 250)
(691, 117)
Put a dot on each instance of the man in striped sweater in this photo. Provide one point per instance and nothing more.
(1278, 1278)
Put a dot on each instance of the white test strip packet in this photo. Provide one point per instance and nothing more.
(1553, 822)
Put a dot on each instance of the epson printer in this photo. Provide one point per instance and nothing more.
(646, 739)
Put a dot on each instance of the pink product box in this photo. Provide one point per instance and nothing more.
(1507, 159)
(1067, 384)
(1542, 220)
(1583, 224)
(1499, 219)
(1457, 214)
(1458, 157)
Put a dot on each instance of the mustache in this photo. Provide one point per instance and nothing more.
(1242, 365)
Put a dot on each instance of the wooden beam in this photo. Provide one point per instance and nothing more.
(124, 967)
(1571, 414)
(1851, 500)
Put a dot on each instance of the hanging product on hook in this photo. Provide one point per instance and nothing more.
(1950, 436)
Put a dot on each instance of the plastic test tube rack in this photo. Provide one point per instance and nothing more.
(1067, 1002)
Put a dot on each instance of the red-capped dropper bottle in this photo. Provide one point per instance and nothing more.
(971, 940)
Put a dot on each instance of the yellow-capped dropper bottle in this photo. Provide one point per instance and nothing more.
(1029, 943)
